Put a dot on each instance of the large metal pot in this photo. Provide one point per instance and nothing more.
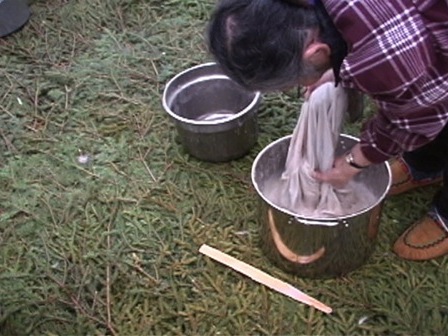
(317, 247)
(216, 118)
(13, 15)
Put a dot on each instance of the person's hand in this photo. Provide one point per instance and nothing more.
(328, 76)
(342, 172)
(339, 175)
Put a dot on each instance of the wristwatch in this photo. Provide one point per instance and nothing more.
(351, 161)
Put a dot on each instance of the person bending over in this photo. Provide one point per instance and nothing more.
(395, 51)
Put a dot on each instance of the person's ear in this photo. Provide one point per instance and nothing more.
(318, 54)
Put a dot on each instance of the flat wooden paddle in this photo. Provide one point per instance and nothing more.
(263, 278)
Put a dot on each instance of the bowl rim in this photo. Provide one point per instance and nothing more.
(177, 117)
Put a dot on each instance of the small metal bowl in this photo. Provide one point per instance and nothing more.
(13, 15)
(216, 118)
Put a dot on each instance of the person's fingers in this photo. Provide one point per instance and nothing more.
(306, 94)
(336, 180)
(325, 78)
(318, 176)
(309, 90)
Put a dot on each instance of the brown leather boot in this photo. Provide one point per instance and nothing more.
(424, 240)
(402, 180)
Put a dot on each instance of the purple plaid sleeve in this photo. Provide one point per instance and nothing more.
(398, 55)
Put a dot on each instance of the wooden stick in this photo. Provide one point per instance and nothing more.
(263, 278)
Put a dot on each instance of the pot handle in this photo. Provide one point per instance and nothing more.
(285, 252)
(316, 222)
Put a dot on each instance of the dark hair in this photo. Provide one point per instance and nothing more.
(260, 43)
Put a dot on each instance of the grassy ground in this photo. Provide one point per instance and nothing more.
(102, 212)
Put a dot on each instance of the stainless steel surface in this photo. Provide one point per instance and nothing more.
(216, 119)
(13, 15)
(317, 247)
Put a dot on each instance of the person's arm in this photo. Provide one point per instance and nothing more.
(395, 129)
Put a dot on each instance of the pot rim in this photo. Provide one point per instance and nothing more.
(326, 221)
(248, 108)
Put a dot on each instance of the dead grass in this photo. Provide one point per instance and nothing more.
(102, 212)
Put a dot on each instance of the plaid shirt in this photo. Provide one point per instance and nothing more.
(398, 55)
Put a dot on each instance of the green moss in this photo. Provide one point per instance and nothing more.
(110, 245)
